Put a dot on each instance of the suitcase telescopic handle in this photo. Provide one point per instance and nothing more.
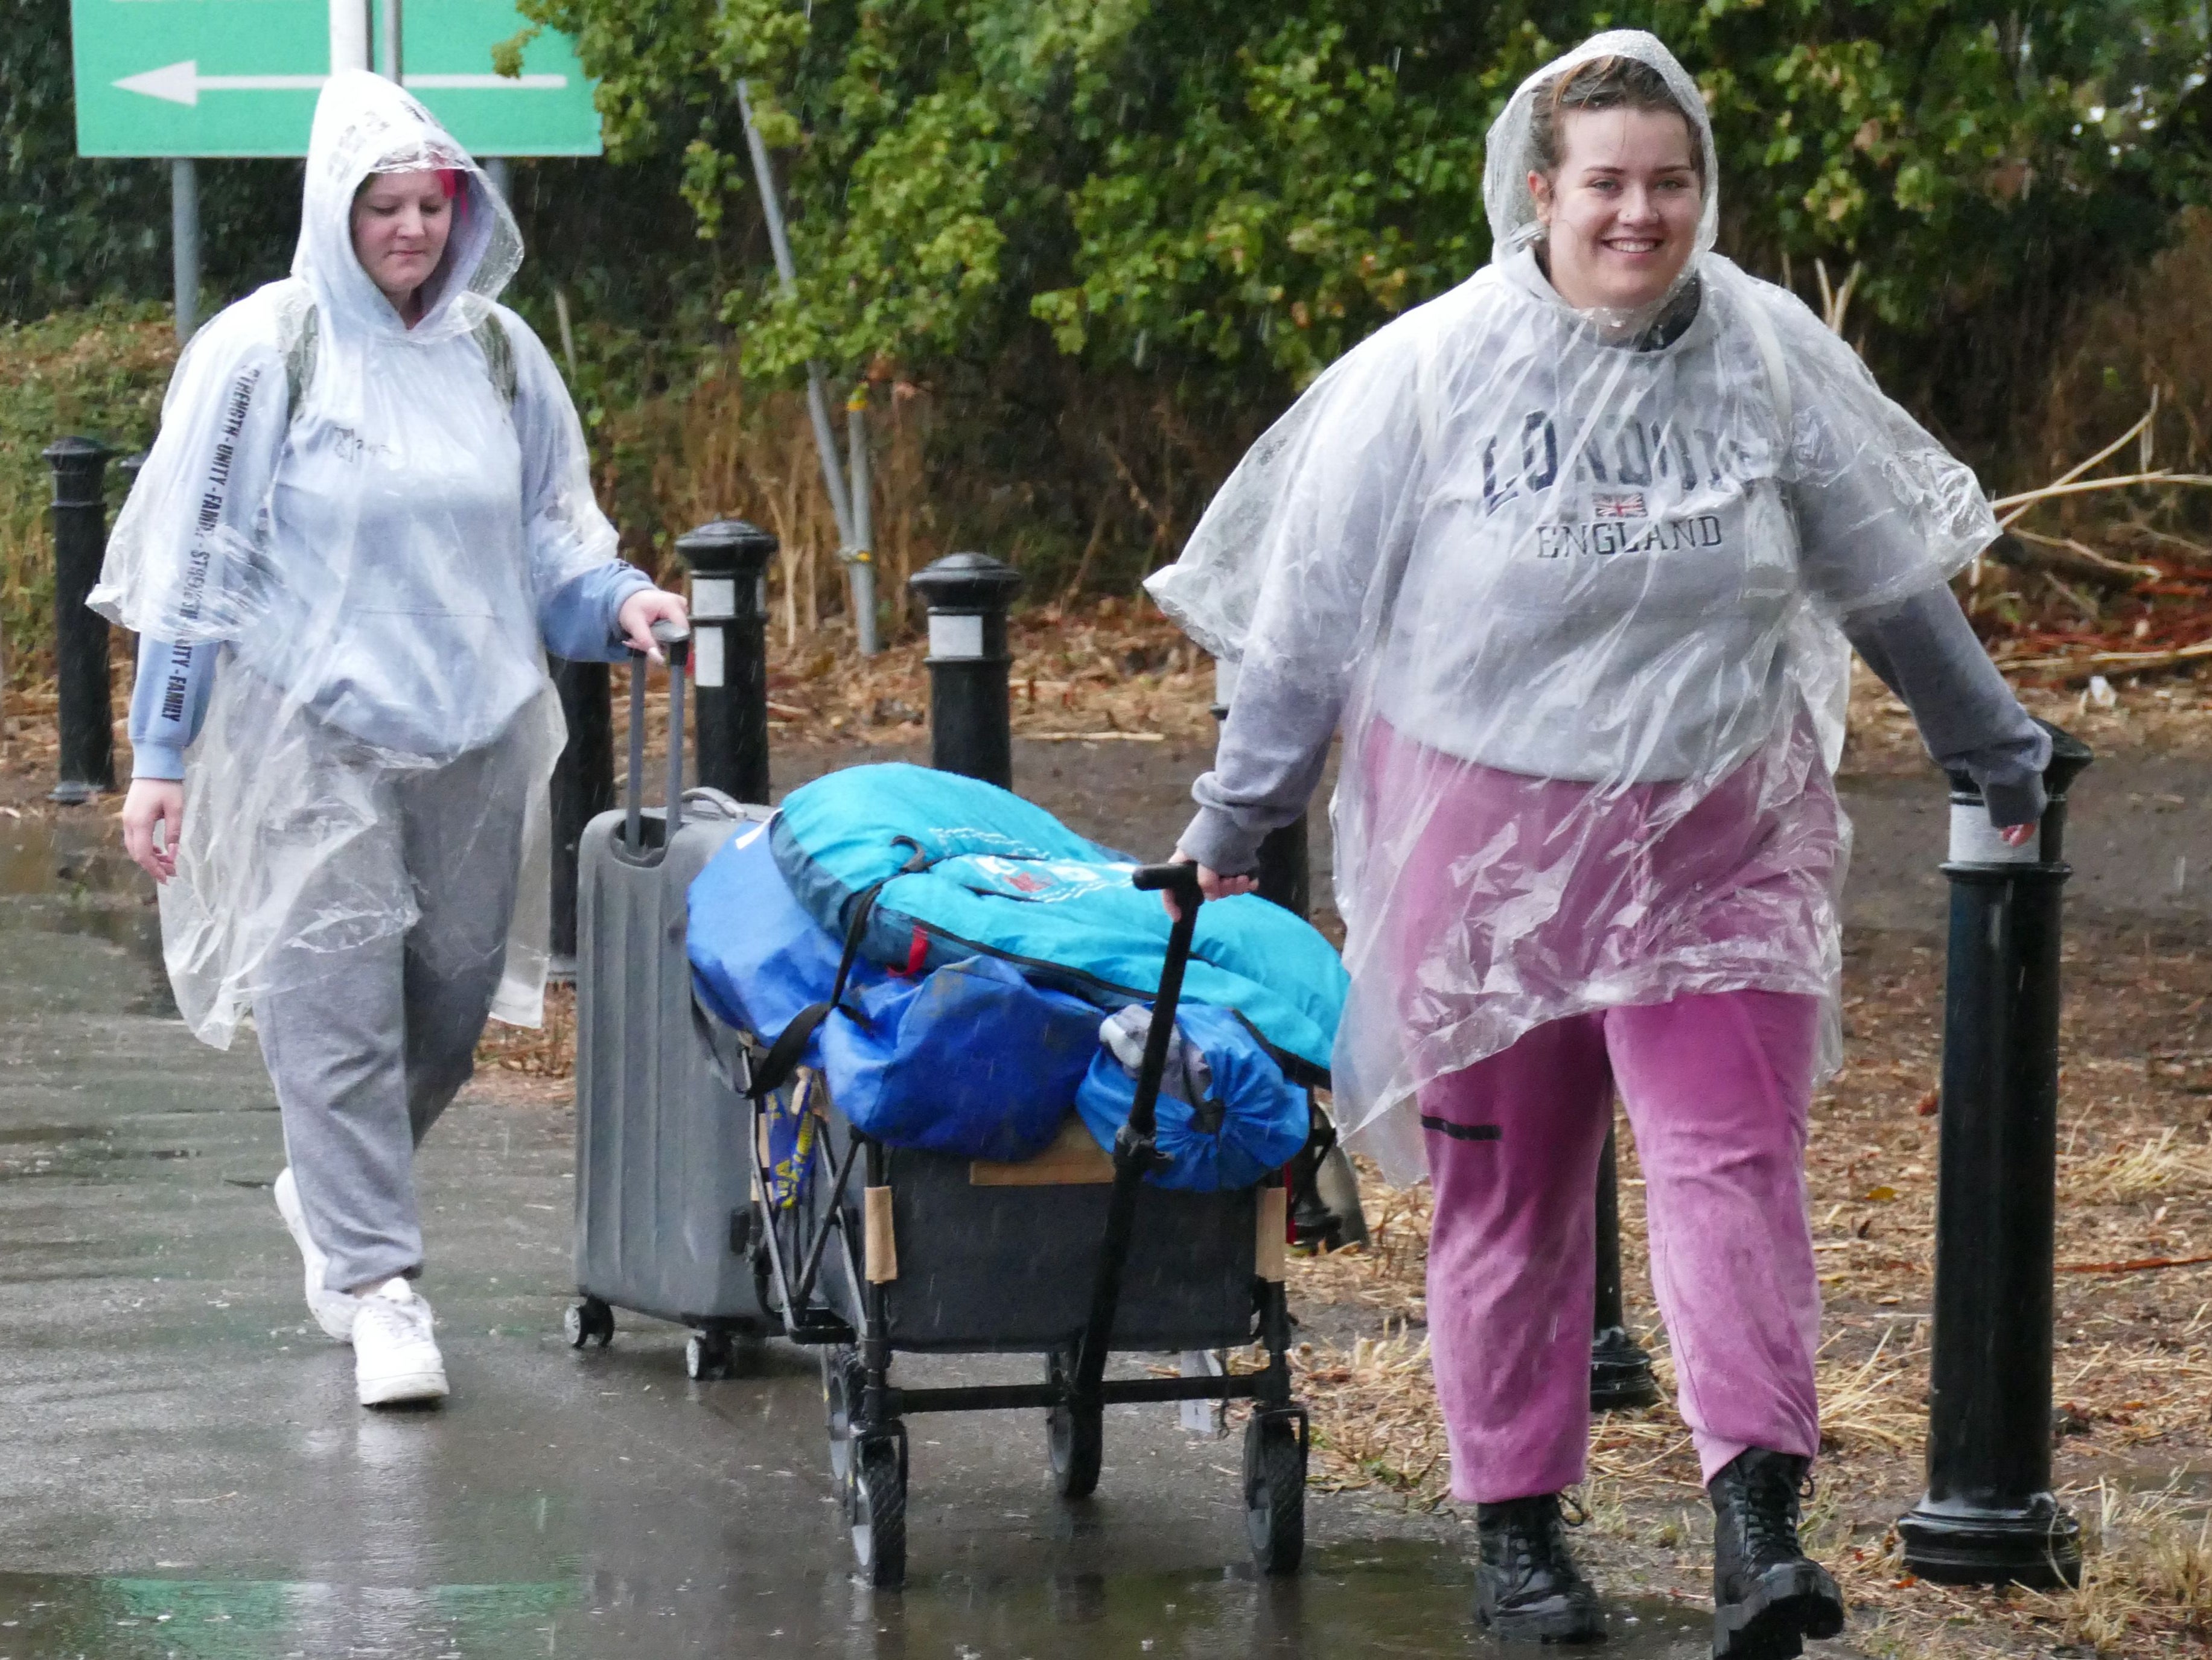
(675, 639)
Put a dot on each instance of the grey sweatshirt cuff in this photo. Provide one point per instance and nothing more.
(2016, 799)
(1219, 843)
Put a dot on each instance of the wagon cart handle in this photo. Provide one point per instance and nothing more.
(1135, 1151)
(1181, 877)
(1181, 881)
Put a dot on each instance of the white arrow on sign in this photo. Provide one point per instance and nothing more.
(182, 83)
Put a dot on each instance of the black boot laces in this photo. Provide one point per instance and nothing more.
(1533, 1541)
(1770, 1513)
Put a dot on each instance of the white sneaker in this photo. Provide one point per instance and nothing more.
(395, 1359)
(334, 1311)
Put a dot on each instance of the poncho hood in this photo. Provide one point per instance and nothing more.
(365, 124)
(1510, 155)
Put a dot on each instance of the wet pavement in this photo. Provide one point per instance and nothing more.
(186, 1473)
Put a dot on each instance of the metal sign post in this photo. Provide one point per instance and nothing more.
(855, 552)
(184, 243)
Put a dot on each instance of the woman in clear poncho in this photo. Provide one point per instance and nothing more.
(367, 518)
(1568, 556)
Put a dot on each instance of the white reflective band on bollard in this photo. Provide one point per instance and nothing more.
(713, 599)
(956, 636)
(1975, 841)
(706, 653)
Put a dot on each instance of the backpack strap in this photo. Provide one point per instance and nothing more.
(781, 1060)
(491, 338)
(1769, 354)
(300, 324)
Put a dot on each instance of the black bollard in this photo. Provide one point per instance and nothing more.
(1620, 1372)
(729, 653)
(87, 720)
(1989, 1516)
(1283, 871)
(971, 721)
(583, 787)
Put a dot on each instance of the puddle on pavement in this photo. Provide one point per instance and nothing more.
(65, 875)
(1380, 1598)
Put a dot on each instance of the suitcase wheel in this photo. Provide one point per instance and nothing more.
(710, 1355)
(588, 1321)
(1275, 1489)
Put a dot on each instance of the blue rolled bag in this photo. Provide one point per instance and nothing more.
(984, 944)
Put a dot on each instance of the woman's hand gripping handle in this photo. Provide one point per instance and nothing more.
(1211, 883)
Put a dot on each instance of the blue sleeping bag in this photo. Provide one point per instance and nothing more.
(971, 1059)
(961, 868)
(983, 1055)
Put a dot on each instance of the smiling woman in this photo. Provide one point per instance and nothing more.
(1618, 187)
(1570, 555)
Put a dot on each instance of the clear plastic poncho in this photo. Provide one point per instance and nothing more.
(1572, 600)
(373, 563)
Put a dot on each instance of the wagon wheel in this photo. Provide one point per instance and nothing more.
(1275, 1490)
(843, 1378)
(1075, 1436)
(876, 1504)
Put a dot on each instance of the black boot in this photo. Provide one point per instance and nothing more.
(1527, 1589)
(1767, 1596)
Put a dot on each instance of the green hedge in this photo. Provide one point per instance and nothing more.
(100, 372)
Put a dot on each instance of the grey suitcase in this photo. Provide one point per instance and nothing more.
(663, 1176)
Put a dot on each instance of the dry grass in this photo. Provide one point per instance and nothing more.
(546, 1052)
(729, 453)
(1107, 668)
(2172, 1161)
(2133, 1361)
(2152, 335)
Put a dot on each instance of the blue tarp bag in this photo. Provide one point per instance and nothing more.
(1226, 1115)
(937, 868)
(970, 1059)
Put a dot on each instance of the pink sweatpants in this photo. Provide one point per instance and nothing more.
(1716, 1088)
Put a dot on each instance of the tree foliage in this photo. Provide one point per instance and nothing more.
(1209, 188)
(72, 231)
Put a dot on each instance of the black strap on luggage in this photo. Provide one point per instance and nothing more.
(781, 1060)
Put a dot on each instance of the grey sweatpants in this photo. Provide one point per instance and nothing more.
(367, 1042)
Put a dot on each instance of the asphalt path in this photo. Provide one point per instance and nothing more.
(187, 1472)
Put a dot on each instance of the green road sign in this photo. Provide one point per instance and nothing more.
(239, 77)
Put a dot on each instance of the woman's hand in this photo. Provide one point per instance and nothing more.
(154, 802)
(2019, 835)
(1211, 882)
(641, 610)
